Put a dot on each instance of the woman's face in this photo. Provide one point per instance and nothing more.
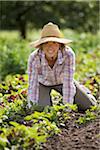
(51, 49)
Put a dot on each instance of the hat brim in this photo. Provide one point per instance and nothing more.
(48, 39)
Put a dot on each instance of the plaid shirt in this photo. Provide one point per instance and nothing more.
(62, 73)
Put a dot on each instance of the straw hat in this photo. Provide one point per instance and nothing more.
(50, 32)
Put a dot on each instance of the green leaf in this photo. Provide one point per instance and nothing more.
(3, 141)
(15, 124)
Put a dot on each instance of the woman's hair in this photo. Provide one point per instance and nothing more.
(62, 46)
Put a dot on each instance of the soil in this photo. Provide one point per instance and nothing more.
(75, 137)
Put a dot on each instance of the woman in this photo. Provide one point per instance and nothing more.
(52, 66)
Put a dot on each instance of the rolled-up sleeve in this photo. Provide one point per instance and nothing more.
(69, 89)
(32, 80)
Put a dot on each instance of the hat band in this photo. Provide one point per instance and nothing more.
(50, 36)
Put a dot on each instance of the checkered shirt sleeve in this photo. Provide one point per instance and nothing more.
(69, 89)
(33, 80)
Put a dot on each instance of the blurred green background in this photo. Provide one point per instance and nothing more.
(21, 23)
(23, 15)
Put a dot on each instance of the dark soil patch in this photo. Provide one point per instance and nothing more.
(74, 137)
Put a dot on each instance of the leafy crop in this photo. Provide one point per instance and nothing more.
(24, 128)
(21, 127)
(91, 114)
(28, 128)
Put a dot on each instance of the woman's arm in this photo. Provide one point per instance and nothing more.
(32, 80)
(68, 82)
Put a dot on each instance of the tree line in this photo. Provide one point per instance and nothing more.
(78, 15)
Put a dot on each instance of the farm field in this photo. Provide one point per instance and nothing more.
(51, 128)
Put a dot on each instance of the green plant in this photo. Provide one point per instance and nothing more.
(14, 56)
(24, 128)
(89, 116)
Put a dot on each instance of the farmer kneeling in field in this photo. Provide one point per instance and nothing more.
(52, 66)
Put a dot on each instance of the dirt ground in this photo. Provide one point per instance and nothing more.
(75, 137)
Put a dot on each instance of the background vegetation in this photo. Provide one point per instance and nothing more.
(21, 23)
(14, 53)
(75, 14)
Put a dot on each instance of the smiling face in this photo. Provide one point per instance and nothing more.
(51, 50)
